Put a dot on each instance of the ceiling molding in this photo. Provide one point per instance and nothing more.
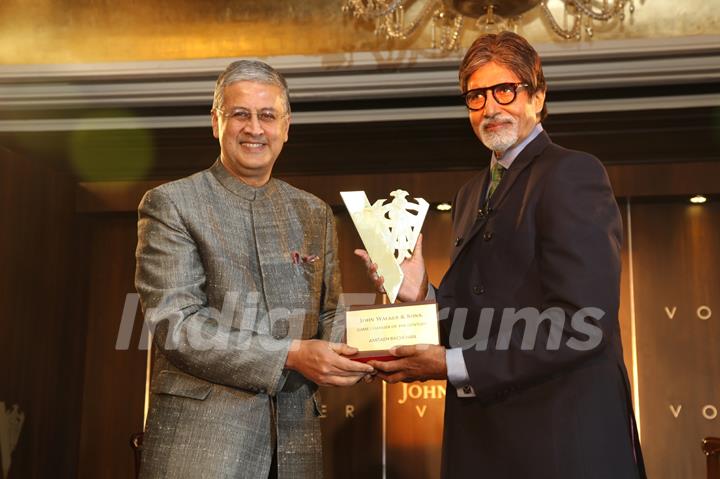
(357, 116)
(292, 65)
(352, 76)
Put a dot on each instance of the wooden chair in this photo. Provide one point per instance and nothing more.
(711, 448)
(136, 441)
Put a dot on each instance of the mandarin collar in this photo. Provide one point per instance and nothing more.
(238, 187)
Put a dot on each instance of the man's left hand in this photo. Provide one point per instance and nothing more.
(414, 363)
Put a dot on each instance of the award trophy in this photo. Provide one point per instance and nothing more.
(389, 232)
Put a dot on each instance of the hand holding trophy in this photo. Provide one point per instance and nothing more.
(415, 280)
(390, 233)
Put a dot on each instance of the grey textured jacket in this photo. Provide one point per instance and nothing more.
(225, 281)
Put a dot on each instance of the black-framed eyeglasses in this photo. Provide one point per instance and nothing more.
(503, 93)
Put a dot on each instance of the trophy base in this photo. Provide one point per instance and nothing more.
(375, 330)
(366, 356)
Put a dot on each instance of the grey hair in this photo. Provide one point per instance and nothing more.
(249, 70)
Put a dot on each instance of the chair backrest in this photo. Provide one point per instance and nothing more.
(711, 448)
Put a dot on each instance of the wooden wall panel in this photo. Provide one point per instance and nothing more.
(353, 429)
(416, 410)
(41, 339)
(352, 417)
(676, 256)
(114, 392)
(628, 180)
(677, 135)
(625, 313)
(415, 413)
(114, 380)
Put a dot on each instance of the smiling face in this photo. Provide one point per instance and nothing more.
(501, 127)
(249, 147)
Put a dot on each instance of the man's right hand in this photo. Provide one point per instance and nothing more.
(325, 363)
(415, 282)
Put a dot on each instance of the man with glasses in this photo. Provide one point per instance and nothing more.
(239, 280)
(537, 387)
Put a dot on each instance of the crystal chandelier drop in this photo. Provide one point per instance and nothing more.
(449, 16)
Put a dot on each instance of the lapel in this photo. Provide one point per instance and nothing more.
(469, 216)
(532, 150)
(474, 217)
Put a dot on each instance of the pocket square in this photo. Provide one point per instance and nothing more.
(297, 258)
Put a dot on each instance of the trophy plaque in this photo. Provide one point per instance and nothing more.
(389, 232)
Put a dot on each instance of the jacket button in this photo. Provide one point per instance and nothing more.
(481, 213)
(280, 328)
(458, 241)
(478, 289)
(487, 236)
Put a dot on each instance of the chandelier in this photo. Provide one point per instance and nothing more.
(448, 16)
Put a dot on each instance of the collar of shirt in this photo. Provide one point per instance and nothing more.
(513, 152)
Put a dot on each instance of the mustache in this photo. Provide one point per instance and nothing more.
(498, 118)
(252, 139)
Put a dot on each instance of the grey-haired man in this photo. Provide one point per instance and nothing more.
(238, 275)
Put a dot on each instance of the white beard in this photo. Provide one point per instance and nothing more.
(499, 141)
